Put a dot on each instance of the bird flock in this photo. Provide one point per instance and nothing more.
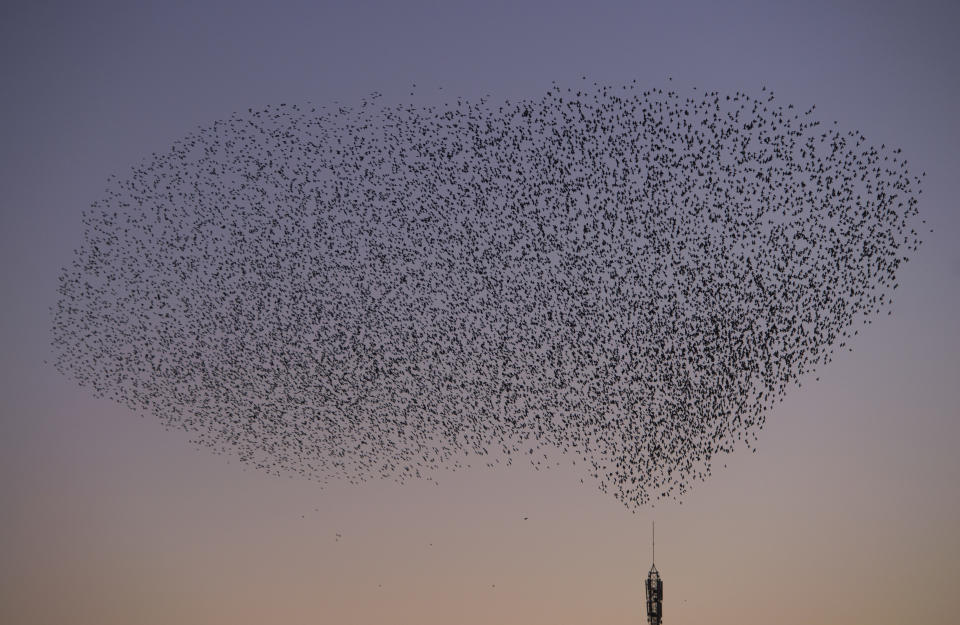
(629, 276)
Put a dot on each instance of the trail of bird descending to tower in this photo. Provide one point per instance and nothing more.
(630, 276)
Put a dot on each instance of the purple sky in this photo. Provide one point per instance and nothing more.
(848, 512)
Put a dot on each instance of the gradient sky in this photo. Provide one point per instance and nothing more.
(848, 513)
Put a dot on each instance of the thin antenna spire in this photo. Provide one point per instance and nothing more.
(653, 544)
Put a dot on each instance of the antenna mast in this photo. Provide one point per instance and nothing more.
(654, 586)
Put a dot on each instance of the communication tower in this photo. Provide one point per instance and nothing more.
(654, 587)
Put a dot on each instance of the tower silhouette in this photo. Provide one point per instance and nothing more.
(654, 586)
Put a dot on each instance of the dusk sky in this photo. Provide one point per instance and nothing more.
(848, 512)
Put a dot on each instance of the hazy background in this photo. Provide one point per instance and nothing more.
(848, 513)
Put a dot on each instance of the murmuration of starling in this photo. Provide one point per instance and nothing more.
(631, 277)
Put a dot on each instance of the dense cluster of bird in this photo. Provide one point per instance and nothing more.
(633, 276)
